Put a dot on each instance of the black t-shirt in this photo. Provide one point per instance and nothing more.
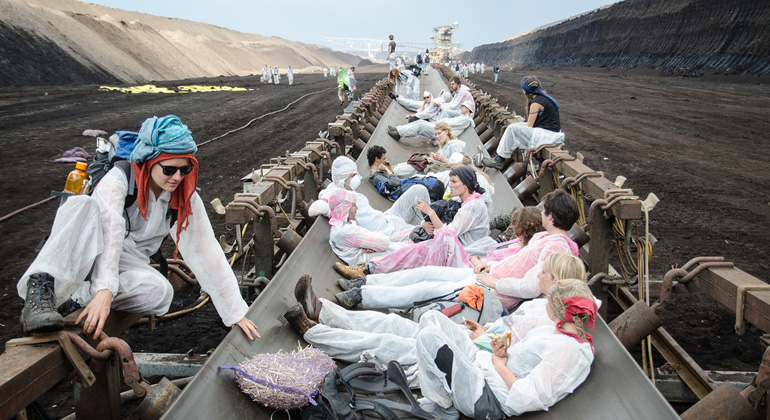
(548, 118)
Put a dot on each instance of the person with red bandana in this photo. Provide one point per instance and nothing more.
(101, 235)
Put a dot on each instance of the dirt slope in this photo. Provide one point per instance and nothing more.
(689, 37)
(97, 44)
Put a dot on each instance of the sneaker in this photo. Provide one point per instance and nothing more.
(393, 132)
(495, 162)
(39, 313)
(346, 284)
(298, 319)
(349, 299)
(307, 298)
(350, 272)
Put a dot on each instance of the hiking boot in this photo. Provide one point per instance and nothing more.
(39, 313)
(393, 132)
(298, 319)
(307, 298)
(351, 271)
(496, 162)
(346, 284)
(349, 299)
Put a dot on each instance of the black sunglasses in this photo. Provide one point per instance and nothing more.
(171, 170)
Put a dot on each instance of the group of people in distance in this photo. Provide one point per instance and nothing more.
(535, 352)
(274, 75)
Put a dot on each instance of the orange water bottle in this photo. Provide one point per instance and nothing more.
(76, 180)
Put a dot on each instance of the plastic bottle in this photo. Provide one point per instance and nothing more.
(76, 180)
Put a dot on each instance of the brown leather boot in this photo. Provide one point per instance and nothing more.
(351, 272)
(307, 298)
(298, 320)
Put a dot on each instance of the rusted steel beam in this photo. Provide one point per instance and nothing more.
(684, 365)
(596, 187)
(723, 284)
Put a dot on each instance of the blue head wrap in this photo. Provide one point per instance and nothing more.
(162, 135)
(537, 91)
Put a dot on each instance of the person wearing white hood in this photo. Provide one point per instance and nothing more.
(425, 110)
(290, 75)
(421, 128)
(397, 222)
(326, 71)
(265, 74)
(460, 94)
(276, 75)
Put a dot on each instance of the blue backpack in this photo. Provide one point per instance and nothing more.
(419, 58)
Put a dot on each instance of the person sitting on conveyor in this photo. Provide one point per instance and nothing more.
(397, 222)
(426, 111)
(542, 127)
(346, 334)
(460, 94)
(414, 106)
(458, 159)
(514, 278)
(525, 372)
(470, 224)
(90, 234)
(426, 129)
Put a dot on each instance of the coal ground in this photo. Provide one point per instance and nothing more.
(697, 143)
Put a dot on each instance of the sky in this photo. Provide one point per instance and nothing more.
(408, 20)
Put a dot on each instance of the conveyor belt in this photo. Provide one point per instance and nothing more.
(616, 387)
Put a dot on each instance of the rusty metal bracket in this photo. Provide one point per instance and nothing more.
(684, 275)
(740, 299)
(84, 372)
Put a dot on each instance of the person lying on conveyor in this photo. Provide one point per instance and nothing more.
(421, 128)
(423, 110)
(347, 334)
(445, 252)
(470, 224)
(523, 373)
(514, 278)
(397, 222)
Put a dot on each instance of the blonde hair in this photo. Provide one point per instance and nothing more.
(565, 266)
(393, 75)
(442, 126)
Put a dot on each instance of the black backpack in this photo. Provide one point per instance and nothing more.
(419, 58)
(361, 390)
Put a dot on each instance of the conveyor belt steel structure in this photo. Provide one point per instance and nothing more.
(616, 388)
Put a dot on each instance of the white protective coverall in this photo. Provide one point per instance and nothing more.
(517, 274)
(344, 334)
(407, 84)
(276, 75)
(397, 222)
(452, 108)
(326, 72)
(421, 128)
(290, 75)
(91, 231)
(265, 74)
(519, 136)
(423, 111)
(550, 366)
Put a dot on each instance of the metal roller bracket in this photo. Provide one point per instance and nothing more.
(740, 300)
(84, 372)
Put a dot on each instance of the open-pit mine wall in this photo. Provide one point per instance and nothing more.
(60, 42)
(683, 37)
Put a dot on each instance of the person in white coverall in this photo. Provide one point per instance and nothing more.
(346, 334)
(397, 222)
(406, 84)
(532, 371)
(326, 71)
(91, 232)
(276, 75)
(265, 74)
(422, 128)
(290, 75)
